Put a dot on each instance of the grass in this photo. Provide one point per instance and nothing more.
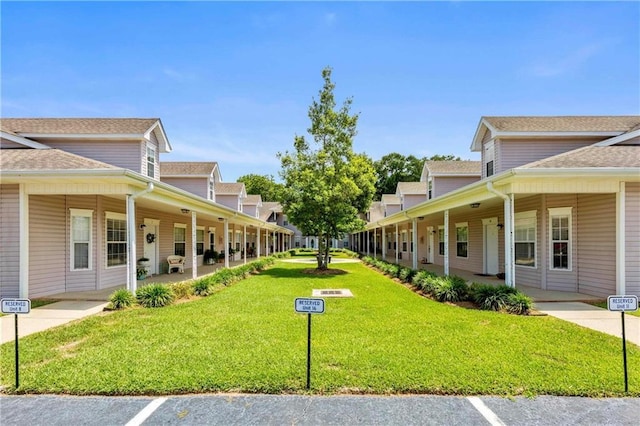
(387, 339)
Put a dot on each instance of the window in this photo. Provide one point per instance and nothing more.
(116, 239)
(489, 158)
(525, 239)
(404, 241)
(212, 239)
(200, 241)
(441, 240)
(430, 186)
(151, 161)
(81, 221)
(560, 238)
(462, 239)
(179, 239)
(211, 193)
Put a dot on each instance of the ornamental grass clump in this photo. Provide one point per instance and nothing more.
(406, 275)
(491, 298)
(121, 299)
(154, 296)
(203, 287)
(182, 290)
(519, 304)
(450, 289)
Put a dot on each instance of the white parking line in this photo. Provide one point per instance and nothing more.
(146, 412)
(485, 411)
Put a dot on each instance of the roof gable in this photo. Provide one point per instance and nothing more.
(605, 126)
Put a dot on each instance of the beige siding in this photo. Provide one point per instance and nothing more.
(596, 244)
(198, 186)
(125, 154)
(443, 185)
(230, 201)
(4, 144)
(47, 245)
(9, 241)
(632, 243)
(514, 153)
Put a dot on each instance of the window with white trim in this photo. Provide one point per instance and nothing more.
(441, 240)
(81, 225)
(199, 241)
(212, 239)
(560, 238)
(179, 239)
(151, 161)
(430, 188)
(116, 239)
(211, 192)
(525, 239)
(404, 240)
(462, 239)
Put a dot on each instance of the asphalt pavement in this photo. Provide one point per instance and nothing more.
(241, 409)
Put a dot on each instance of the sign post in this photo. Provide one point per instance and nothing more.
(16, 306)
(309, 306)
(623, 304)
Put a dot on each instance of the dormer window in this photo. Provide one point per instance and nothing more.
(211, 193)
(151, 161)
(430, 188)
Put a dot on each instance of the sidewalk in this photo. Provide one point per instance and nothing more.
(46, 317)
(595, 318)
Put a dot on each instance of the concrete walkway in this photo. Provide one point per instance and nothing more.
(593, 317)
(47, 316)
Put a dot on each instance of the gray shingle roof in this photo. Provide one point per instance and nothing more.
(77, 125)
(411, 188)
(184, 168)
(47, 159)
(389, 199)
(564, 123)
(230, 188)
(466, 167)
(252, 200)
(624, 156)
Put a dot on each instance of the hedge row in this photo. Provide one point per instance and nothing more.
(156, 295)
(455, 289)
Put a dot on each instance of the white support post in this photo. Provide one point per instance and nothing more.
(375, 243)
(226, 243)
(244, 243)
(384, 244)
(414, 243)
(621, 287)
(131, 244)
(258, 242)
(194, 246)
(23, 285)
(446, 242)
(397, 243)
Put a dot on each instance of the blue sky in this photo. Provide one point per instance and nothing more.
(232, 82)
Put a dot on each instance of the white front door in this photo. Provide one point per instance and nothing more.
(490, 231)
(430, 244)
(150, 239)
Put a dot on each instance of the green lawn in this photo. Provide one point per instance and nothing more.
(387, 339)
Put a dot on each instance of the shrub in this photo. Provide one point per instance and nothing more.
(154, 295)
(182, 290)
(121, 298)
(202, 287)
(519, 303)
(406, 274)
(449, 289)
(430, 284)
(490, 298)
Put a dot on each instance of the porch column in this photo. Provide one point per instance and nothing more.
(131, 236)
(384, 244)
(375, 243)
(368, 237)
(446, 242)
(244, 243)
(620, 240)
(274, 241)
(414, 243)
(258, 242)
(226, 242)
(397, 244)
(194, 249)
(23, 231)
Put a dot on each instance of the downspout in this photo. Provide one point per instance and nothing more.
(131, 236)
(509, 264)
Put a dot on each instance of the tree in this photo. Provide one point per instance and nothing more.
(263, 185)
(393, 168)
(326, 184)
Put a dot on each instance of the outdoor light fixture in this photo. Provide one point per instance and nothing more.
(500, 226)
(142, 226)
(185, 211)
(420, 217)
(474, 205)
